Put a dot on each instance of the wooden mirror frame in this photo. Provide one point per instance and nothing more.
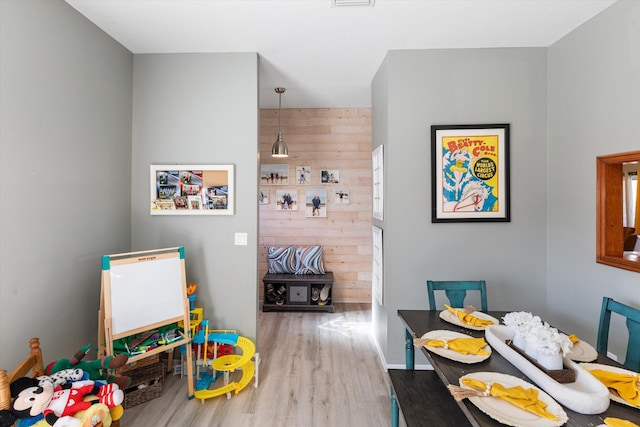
(609, 206)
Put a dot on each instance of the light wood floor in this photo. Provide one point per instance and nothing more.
(318, 369)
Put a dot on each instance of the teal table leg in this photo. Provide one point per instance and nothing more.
(409, 355)
(395, 415)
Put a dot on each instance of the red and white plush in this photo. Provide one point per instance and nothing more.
(31, 398)
(68, 401)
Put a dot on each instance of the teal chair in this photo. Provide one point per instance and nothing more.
(632, 359)
(456, 291)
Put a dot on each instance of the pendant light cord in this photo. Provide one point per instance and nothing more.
(279, 148)
(279, 110)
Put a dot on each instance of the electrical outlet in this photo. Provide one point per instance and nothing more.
(612, 356)
(241, 239)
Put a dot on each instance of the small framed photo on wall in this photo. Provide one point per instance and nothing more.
(274, 174)
(316, 203)
(263, 196)
(330, 176)
(287, 200)
(341, 196)
(303, 175)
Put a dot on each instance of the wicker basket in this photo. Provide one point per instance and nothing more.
(146, 384)
(138, 364)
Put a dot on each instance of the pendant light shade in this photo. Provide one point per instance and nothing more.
(279, 148)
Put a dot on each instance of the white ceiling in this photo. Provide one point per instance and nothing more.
(326, 57)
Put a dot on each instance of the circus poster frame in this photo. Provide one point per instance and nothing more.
(470, 173)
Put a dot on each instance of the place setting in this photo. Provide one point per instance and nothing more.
(581, 351)
(623, 384)
(468, 317)
(455, 346)
(509, 400)
(617, 422)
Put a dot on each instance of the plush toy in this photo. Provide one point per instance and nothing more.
(97, 413)
(97, 369)
(63, 377)
(31, 399)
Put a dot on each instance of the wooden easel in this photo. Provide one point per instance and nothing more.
(142, 291)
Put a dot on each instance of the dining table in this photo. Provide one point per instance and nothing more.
(419, 322)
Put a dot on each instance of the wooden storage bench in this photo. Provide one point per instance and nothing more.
(298, 292)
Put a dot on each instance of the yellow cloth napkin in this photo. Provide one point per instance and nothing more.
(462, 345)
(573, 338)
(523, 398)
(624, 385)
(469, 319)
(617, 422)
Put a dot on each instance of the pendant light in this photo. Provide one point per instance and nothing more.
(279, 148)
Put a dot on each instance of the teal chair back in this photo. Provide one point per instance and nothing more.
(632, 359)
(456, 291)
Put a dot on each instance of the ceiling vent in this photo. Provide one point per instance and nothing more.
(340, 3)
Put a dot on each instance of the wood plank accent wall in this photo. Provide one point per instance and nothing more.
(323, 139)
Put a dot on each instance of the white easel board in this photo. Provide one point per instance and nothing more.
(142, 291)
(145, 293)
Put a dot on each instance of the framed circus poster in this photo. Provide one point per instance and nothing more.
(192, 190)
(470, 173)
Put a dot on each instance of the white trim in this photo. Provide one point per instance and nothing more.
(377, 278)
(377, 169)
(340, 3)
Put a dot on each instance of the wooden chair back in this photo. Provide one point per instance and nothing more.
(32, 364)
(632, 359)
(456, 292)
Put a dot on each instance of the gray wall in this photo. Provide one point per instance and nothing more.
(202, 109)
(65, 160)
(462, 86)
(594, 109)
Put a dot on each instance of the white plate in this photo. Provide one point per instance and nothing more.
(450, 317)
(450, 354)
(509, 414)
(582, 351)
(614, 369)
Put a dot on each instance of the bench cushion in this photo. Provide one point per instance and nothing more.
(281, 259)
(309, 260)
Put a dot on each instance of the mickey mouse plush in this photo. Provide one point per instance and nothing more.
(31, 399)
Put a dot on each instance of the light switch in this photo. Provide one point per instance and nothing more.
(241, 239)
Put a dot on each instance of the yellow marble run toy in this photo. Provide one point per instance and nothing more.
(221, 360)
(229, 363)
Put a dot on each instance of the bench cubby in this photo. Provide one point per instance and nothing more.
(298, 292)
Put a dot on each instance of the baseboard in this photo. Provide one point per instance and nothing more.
(415, 368)
(386, 366)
